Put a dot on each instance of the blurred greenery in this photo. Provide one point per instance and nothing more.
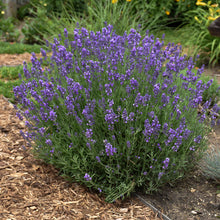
(18, 48)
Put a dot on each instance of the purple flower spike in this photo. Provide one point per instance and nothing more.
(160, 175)
(166, 163)
(87, 177)
(65, 33)
(49, 142)
(109, 149)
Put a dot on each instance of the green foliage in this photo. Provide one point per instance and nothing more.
(72, 6)
(159, 14)
(23, 11)
(34, 27)
(7, 29)
(18, 48)
(101, 12)
(2, 9)
(210, 165)
(10, 73)
(6, 88)
(57, 6)
(213, 92)
(9, 78)
(204, 44)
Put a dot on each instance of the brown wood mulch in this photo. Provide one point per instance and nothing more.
(30, 189)
(15, 59)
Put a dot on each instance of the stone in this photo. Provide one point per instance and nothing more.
(194, 212)
(214, 28)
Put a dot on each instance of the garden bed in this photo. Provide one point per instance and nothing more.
(30, 189)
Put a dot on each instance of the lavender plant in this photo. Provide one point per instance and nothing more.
(114, 112)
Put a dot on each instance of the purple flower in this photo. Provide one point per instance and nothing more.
(87, 177)
(49, 142)
(89, 133)
(178, 114)
(166, 163)
(125, 116)
(19, 116)
(88, 145)
(192, 148)
(41, 130)
(52, 115)
(108, 90)
(198, 139)
(134, 84)
(109, 149)
(110, 117)
(165, 99)
(98, 159)
(65, 33)
(156, 89)
(128, 144)
(151, 114)
(52, 151)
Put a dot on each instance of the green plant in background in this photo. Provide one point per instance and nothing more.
(72, 6)
(210, 165)
(213, 92)
(2, 9)
(18, 48)
(9, 79)
(8, 30)
(160, 14)
(36, 25)
(205, 44)
(10, 72)
(101, 12)
(24, 11)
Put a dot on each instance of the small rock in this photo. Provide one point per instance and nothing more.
(194, 212)
(33, 207)
(218, 195)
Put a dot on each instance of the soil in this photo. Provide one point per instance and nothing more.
(213, 72)
(30, 189)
